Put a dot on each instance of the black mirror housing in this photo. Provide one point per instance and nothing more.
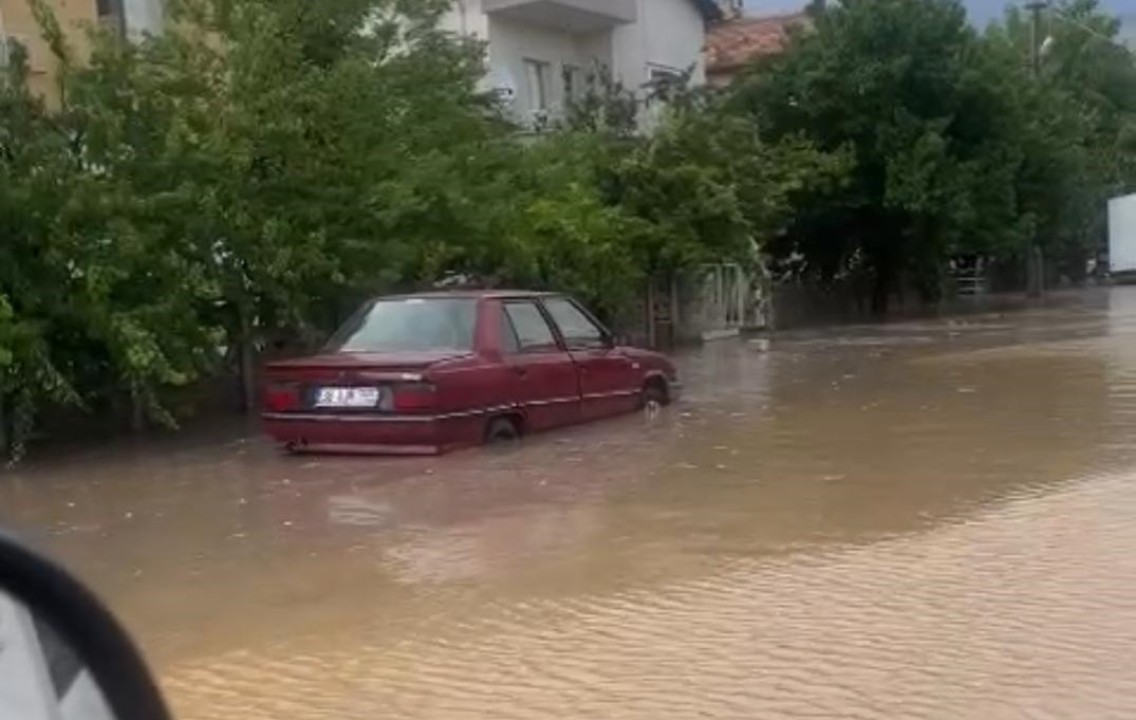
(48, 621)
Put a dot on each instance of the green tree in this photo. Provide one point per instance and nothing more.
(292, 150)
(35, 277)
(257, 166)
(924, 112)
(1078, 123)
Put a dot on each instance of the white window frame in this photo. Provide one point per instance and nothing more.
(8, 41)
(536, 84)
(572, 78)
(655, 72)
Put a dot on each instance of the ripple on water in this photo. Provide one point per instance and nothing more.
(996, 617)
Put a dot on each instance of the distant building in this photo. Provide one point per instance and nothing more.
(132, 18)
(734, 44)
(541, 51)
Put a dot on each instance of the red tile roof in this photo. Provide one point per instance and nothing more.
(732, 44)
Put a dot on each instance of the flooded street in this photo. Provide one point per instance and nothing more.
(921, 520)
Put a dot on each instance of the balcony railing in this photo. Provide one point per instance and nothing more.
(570, 15)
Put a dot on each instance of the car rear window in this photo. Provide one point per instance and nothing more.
(407, 325)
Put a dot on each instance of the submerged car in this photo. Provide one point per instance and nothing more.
(423, 374)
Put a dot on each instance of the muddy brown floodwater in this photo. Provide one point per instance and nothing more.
(920, 520)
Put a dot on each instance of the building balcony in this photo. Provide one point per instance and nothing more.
(576, 16)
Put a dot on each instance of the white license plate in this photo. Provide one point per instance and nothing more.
(348, 397)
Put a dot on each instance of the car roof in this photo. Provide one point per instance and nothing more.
(470, 294)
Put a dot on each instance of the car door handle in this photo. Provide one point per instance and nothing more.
(521, 372)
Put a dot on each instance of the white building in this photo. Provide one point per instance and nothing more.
(541, 51)
(135, 19)
(143, 17)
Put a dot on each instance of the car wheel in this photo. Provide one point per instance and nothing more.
(502, 431)
(654, 398)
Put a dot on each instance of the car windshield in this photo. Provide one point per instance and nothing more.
(408, 324)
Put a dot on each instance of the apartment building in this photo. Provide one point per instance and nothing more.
(132, 18)
(541, 51)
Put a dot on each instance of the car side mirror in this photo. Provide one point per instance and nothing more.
(63, 656)
(617, 340)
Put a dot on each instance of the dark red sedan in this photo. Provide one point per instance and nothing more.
(428, 373)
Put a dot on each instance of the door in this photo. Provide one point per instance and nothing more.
(546, 384)
(609, 382)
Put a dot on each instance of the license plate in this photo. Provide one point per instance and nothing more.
(348, 397)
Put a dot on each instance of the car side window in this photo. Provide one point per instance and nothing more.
(532, 331)
(509, 342)
(578, 329)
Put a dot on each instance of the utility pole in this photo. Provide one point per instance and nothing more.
(1035, 263)
(1035, 9)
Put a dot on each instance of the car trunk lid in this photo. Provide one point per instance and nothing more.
(336, 365)
(299, 385)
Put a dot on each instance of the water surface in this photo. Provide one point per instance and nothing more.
(920, 520)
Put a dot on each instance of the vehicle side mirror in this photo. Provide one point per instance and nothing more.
(617, 339)
(63, 656)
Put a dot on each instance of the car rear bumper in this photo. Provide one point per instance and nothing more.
(393, 434)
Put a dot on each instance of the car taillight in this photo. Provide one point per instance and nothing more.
(415, 396)
(282, 397)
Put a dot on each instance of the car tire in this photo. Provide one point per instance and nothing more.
(654, 398)
(502, 431)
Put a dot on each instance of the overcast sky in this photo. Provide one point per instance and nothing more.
(981, 11)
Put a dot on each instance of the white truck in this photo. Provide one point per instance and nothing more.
(1122, 237)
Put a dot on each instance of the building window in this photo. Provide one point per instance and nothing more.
(661, 73)
(13, 46)
(111, 15)
(573, 83)
(7, 50)
(664, 83)
(536, 78)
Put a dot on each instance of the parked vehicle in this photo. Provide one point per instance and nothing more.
(423, 374)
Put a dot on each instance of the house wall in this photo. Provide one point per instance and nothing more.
(670, 34)
(17, 22)
(512, 43)
(75, 17)
(467, 18)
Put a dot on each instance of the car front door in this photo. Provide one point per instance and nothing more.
(609, 382)
(546, 385)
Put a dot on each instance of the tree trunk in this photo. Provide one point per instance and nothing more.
(246, 350)
(5, 435)
(137, 410)
(651, 313)
(881, 292)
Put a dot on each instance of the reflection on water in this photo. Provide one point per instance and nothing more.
(922, 520)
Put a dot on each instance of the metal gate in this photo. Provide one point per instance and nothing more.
(723, 301)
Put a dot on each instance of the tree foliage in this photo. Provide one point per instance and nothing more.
(957, 147)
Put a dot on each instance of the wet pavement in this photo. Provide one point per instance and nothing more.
(922, 520)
